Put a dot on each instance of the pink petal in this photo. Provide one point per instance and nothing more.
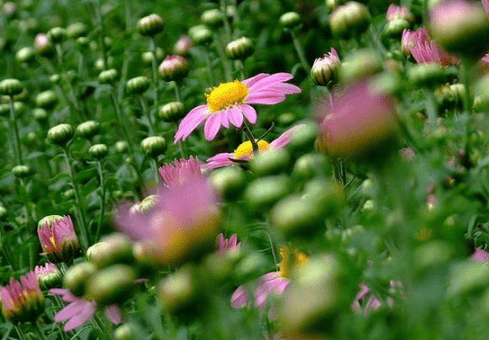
(249, 112)
(285, 137)
(212, 126)
(287, 88)
(250, 81)
(225, 115)
(219, 160)
(81, 318)
(70, 310)
(191, 121)
(269, 81)
(265, 97)
(239, 297)
(236, 117)
(113, 313)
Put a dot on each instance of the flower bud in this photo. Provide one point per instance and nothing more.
(108, 76)
(460, 27)
(394, 28)
(55, 79)
(111, 285)
(25, 55)
(138, 85)
(172, 112)
(98, 151)
(100, 64)
(272, 162)
(3, 212)
(263, 192)
(10, 87)
(21, 171)
(325, 70)
(77, 276)
(350, 19)
(150, 25)
(48, 276)
(311, 165)
(88, 129)
(154, 146)
(229, 181)
(121, 146)
(76, 30)
(359, 65)
(43, 45)
(60, 134)
(290, 20)
(57, 35)
(240, 49)
(126, 331)
(200, 35)
(183, 46)
(179, 291)
(5, 110)
(115, 248)
(303, 140)
(212, 17)
(82, 43)
(148, 56)
(47, 99)
(427, 74)
(399, 12)
(40, 114)
(173, 68)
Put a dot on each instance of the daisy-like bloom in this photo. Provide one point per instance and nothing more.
(425, 50)
(22, 301)
(58, 238)
(224, 244)
(174, 173)
(230, 102)
(325, 69)
(79, 311)
(273, 283)
(244, 151)
(399, 12)
(48, 275)
(183, 223)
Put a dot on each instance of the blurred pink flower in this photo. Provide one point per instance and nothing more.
(224, 244)
(425, 50)
(183, 46)
(369, 301)
(245, 150)
(480, 255)
(58, 238)
(399, 12)
(183, 219)
(79, 311)
(22, 301)
(230, 102)
(176, 172)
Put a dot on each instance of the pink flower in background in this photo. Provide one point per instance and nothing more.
(48, 275)
(369, 301)
(399, 12)
(58, 238)
(183, 46)
(79, 311)
(245, 150)
(230, 102)
(22, 301)
(480, 255)
(224, 244)
(174, 173)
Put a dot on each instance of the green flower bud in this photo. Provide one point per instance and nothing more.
(138, 85)
(250, 267)
(10, 87)
(221, 265)
(121, 146)
(69, 194)
(98, 151)
(263, 192)
(48, 276)
(229, 181)
(108, 76)
(311, 165)
(360, 65)
(212, 17)
(40, 114)
(290, 20)
(427, 74)
(21, 171)
(200, 35)
(350, 19)
(171, 112)
(148, 56)
(180, 290)
(154, 146)
(111, 285)
(82, 42)
(150, 25)
(55, 79)
(3, 212)
(126, 331)
(327, 196)
(5, 110)
(303, 139)
(57, 35)
(77, 276)
(450, 96)
(43, 45)
(240, 49)
(100, 63)
(76, 30)
(325, 70)
(60, 134)
(272, 162)
(88, 129)
(115, 248)
(174, 67)
(394, 28)
(47, 99)
(25, 55)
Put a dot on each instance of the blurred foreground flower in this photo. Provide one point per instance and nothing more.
(183, 222)
(480, 255)
(245, 150)
(79, 311)
(230, 102)
(175, 173)
(356, 121)
(58, 238)
(22, 301)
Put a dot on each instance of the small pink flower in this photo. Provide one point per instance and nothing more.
(22, 301)
(480, 255)
(79, 311)
(58, 238)
(224, 244)
(245, 150)
(183, 46)
(230, 102)
(175, 173)
(270, 284)
(399, 12)
(325, 69)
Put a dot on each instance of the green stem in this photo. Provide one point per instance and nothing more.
(155, 71)
(431, 109)
(155, 170)
(19, 332)
(178, 96)
(222, 57)
(146, 113)
(79, 205)
(39, 331)
(180, 146)
(13, 123)
(300, 52)
(468, 102)
(252, 139)
(100, 169)
(100, 23)
(227, 27)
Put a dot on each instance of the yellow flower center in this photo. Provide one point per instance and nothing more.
(245, 149)
(289, 262)
(227, 95)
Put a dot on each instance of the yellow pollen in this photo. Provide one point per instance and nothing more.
(289, 263)
(245, 149)
(227, 95)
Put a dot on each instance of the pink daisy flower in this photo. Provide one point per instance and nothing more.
(58, 238)
(245, 150)
(230, 102)
(224, 244)
(79, 311)
(174, 173)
